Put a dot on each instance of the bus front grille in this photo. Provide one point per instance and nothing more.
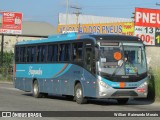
(124, 93)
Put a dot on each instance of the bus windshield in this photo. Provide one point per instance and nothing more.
(133, 57)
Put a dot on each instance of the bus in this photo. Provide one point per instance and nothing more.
(82, 67)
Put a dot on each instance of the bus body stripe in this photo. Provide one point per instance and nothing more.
(65, 66)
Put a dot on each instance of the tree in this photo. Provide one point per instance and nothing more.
(7, 66)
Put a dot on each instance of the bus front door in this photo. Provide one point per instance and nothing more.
(89, 71)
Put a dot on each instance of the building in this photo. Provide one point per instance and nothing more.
(95, 24)
(30, 31)
(89, 19)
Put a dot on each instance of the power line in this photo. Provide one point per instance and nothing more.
(77, 13)
(67, 5)
(158, 4)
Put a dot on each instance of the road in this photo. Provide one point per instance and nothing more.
(12, 99)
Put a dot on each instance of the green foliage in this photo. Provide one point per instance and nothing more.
(154, 84)
(7, 67)
(8, 59)
(157, 85)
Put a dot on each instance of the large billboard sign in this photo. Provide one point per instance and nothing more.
(147, 25)
(126, 28)
(10, 22)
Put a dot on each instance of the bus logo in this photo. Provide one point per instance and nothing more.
(34, 72)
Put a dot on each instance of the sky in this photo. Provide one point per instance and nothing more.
(48, 10)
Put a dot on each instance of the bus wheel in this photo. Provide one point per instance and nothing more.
(122, 101)
(36, 92)
(79, 94)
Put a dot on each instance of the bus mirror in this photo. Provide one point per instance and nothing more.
(120, 63)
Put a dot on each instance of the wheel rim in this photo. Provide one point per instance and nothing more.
(35, 89)
(79, 93)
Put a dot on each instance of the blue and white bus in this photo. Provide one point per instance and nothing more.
(83, 66)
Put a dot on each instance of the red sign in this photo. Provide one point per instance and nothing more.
(147, 17)
(11, 22)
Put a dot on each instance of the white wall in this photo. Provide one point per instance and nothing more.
(89, 19)
(10, 41)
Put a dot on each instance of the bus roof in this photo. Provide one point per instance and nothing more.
(75, 36)
(117, 37)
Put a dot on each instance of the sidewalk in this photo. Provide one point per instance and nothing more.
(5, 82)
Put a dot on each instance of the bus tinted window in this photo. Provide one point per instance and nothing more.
(77, 51)
(23, 54)
(64, 51)
(17, 54)
(52, 53)
(88, 59)
(41, 53)
(31, 54)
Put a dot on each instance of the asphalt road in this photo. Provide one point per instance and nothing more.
(12, 99)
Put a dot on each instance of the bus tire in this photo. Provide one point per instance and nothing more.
(35, 90)
(79, 94)
(122, 101)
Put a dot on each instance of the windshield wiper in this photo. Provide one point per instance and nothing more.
(115, 71)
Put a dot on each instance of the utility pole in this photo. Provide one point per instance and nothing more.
(158, 4)
(67, 4)
(2, 43)
(77, 13)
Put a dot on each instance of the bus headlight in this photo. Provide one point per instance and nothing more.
(142, 88)
(143, 84)
(103, 84)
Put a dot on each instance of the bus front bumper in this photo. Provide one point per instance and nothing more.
(110, 92)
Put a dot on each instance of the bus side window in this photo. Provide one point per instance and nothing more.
(88, 59)
(60, 53)
(67, 52)
(50, 53)
(33, 54)
(44, 53)
(41, 53)
(17, 54)
(77, 51)
(55, 53)
(29, 54)
(23, 54)
(64, 52)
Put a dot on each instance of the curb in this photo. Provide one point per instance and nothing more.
(5, 82)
